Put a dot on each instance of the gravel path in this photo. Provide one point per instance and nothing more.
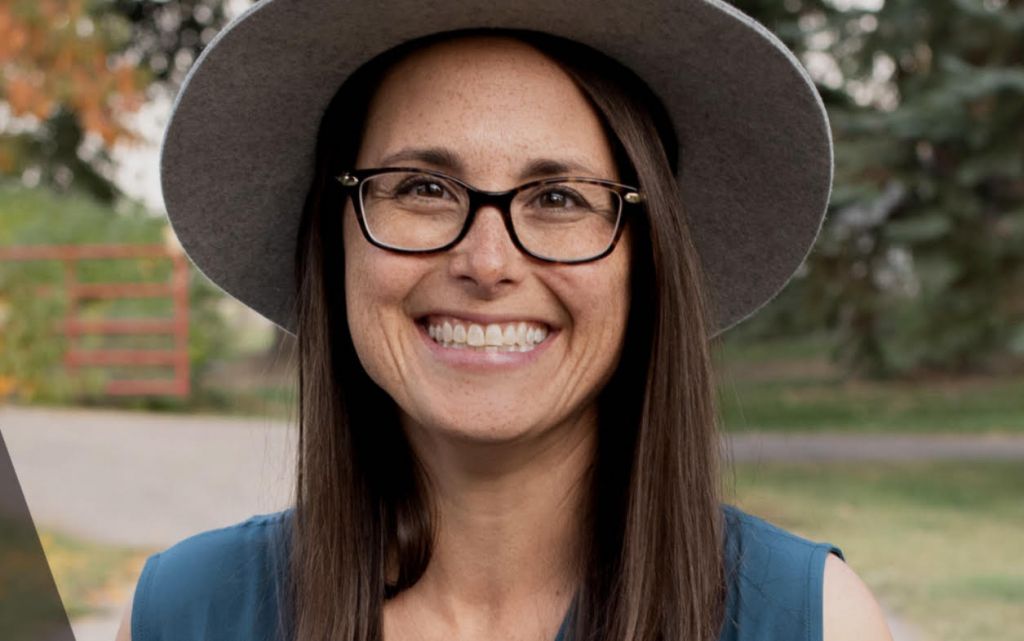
(142, 479)
(149, 480)
(771, 446)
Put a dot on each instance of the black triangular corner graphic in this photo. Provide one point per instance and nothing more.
(30, 606)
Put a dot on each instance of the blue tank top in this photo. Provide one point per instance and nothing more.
(222, 584)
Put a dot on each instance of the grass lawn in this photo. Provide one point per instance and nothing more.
(91, 577)
(791, 386)
(938, 543)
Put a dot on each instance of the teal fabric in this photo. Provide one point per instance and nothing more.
(222, 584)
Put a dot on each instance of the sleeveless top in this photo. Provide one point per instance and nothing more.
(222, 584)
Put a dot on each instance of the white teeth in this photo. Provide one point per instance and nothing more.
(510, 337)
(521, 333)
(492, 335)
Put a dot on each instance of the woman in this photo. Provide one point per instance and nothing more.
(506, 414)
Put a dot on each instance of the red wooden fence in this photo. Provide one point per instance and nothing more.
(74, 327)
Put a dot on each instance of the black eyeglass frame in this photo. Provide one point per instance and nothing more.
(354, 178)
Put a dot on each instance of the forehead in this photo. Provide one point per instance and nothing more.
(494, 101)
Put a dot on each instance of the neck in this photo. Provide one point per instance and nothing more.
(507, 534)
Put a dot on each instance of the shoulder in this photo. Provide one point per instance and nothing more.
(785, 586)
(757, 549)
(775, 580)
(851, 612)
(212, 582)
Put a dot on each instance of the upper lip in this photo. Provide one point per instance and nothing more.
(486, 319)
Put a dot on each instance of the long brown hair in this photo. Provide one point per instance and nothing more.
(651, 554)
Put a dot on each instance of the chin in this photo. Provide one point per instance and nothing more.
(482, 427)
(486, 436)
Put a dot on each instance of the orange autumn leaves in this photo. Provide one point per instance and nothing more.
(52, 53)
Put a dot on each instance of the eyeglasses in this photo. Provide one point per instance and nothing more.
(558, 220)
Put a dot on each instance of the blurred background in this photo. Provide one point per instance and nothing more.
(877, 402)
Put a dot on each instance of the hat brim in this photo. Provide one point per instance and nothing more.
(755, 149)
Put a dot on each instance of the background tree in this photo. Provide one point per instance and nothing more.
(58, 69)
(73, 71)
(166, 37)
(921, 262)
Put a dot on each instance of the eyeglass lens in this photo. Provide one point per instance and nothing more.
(566, 220)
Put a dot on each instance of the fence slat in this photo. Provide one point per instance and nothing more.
(120, 290)
(168, 387)
(176, 289)
(120, 326)
(84, 252)
(108, 357)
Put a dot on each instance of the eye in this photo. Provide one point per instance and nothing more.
(560, 197)
(422, 186)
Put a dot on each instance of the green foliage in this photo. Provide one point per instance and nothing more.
(30, 350)
(920, 264)
(215, 338)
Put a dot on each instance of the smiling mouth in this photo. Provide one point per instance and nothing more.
(456, 333)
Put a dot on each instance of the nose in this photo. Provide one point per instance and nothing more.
(486, 258)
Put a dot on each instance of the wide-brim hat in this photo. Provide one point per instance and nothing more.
(755, 150)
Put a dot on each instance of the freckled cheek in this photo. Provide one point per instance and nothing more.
(599, 308)
(612, 318)
(609, 315)
(377, 286)
(620, 294)
(373, 300)
(365, 298)
(371, 280)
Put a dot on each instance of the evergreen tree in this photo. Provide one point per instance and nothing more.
(921, 261)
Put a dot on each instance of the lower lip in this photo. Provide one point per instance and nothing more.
(476, 359)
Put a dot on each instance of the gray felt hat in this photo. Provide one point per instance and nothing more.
(755, 150)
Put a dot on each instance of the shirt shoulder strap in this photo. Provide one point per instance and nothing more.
(219, 584)
(775, 581)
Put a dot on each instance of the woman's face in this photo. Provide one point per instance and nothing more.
(495, 106)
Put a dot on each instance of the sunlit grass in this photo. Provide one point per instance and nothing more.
(91, 577)
(939, 543)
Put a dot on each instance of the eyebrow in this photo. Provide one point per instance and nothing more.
(445, 159)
